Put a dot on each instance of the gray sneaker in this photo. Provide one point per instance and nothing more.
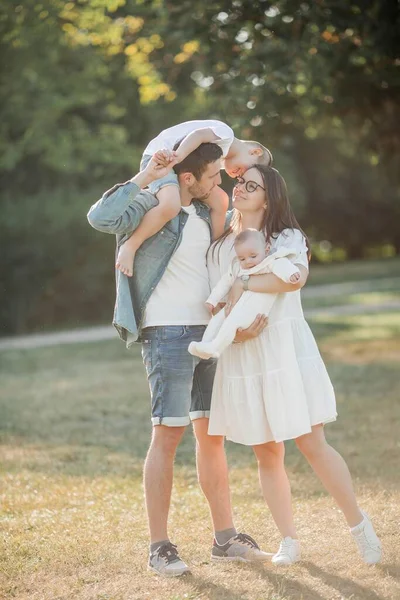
(241, 547)
(165, 561)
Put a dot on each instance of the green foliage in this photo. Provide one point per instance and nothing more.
(85, 84)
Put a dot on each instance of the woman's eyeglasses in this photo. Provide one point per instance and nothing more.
(250, 186)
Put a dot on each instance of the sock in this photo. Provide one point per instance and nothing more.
(155, 545)
(225, 535)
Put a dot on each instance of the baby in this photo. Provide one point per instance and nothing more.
(251, 258)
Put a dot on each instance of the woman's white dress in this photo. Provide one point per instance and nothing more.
(275, 386)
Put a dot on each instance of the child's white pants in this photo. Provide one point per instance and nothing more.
(221, 330)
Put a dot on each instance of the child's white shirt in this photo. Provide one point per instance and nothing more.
(277, 263)
(168, 137)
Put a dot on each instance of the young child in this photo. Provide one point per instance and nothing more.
(251, 258)
(238, 156)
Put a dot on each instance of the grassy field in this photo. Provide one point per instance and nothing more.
(355, 270)
(74, 429)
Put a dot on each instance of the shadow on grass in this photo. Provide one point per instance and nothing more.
(391, 569)
(345, 586)
(283, 586)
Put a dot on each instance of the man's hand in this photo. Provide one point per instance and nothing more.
(234, 295)
(165, 157)
(259, 323)
(153, 170)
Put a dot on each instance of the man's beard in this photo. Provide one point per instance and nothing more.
(198, 192)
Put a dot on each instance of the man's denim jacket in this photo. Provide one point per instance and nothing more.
(120, 211)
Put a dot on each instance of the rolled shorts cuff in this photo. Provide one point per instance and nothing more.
(171, 421)
(199, 414)
(158, 184)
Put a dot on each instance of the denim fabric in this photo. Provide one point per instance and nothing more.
(119, 212)
(155, 186)
(180, 384)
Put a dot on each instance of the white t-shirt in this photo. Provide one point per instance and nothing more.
(168, 138)
(184, 287)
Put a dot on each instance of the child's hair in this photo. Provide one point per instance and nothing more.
(249, 234)
(197, 161)
(278, 214)
(266, 157)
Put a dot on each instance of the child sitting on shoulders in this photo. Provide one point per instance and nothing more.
(238, 156)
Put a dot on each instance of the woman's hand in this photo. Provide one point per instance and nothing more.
(259, 323)
(234, 295)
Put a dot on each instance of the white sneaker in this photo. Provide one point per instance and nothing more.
(288, 553)
(367, 541)
(165, 561)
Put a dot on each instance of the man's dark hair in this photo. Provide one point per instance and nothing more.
(197, 161)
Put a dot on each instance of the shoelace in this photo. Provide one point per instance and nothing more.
(364, 542)
(285, 545)
(169, 552)
(246, 539)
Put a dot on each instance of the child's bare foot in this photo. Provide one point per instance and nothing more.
(126, 256)
(294, 278)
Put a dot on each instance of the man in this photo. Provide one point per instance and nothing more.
(162, 306)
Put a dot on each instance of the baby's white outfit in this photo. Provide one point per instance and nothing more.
(273, 387)
(221, 330)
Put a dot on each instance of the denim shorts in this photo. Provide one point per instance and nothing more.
(180, 384)
(155, 186)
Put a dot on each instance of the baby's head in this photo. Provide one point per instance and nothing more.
(250, 248)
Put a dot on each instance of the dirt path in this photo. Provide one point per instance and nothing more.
(107, 332)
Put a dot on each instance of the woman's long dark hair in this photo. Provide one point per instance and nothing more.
(278, 213)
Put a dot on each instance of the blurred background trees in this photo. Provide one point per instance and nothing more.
(86, 84)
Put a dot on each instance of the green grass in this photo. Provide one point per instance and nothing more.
(355, 270)
(74, 430)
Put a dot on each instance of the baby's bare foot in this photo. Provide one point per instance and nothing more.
(125, 259)
(294, 278)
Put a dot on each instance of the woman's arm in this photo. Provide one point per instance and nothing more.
(267, 283)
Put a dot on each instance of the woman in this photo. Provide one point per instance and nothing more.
(275, 387)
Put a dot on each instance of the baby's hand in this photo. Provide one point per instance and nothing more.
(294, 278)
(267, 248)
(210, 308)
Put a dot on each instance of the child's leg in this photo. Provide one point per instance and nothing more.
(214, 326)
(168, 207)
(242, 315)
(218, 202)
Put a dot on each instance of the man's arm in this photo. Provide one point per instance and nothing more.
(121, 209)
